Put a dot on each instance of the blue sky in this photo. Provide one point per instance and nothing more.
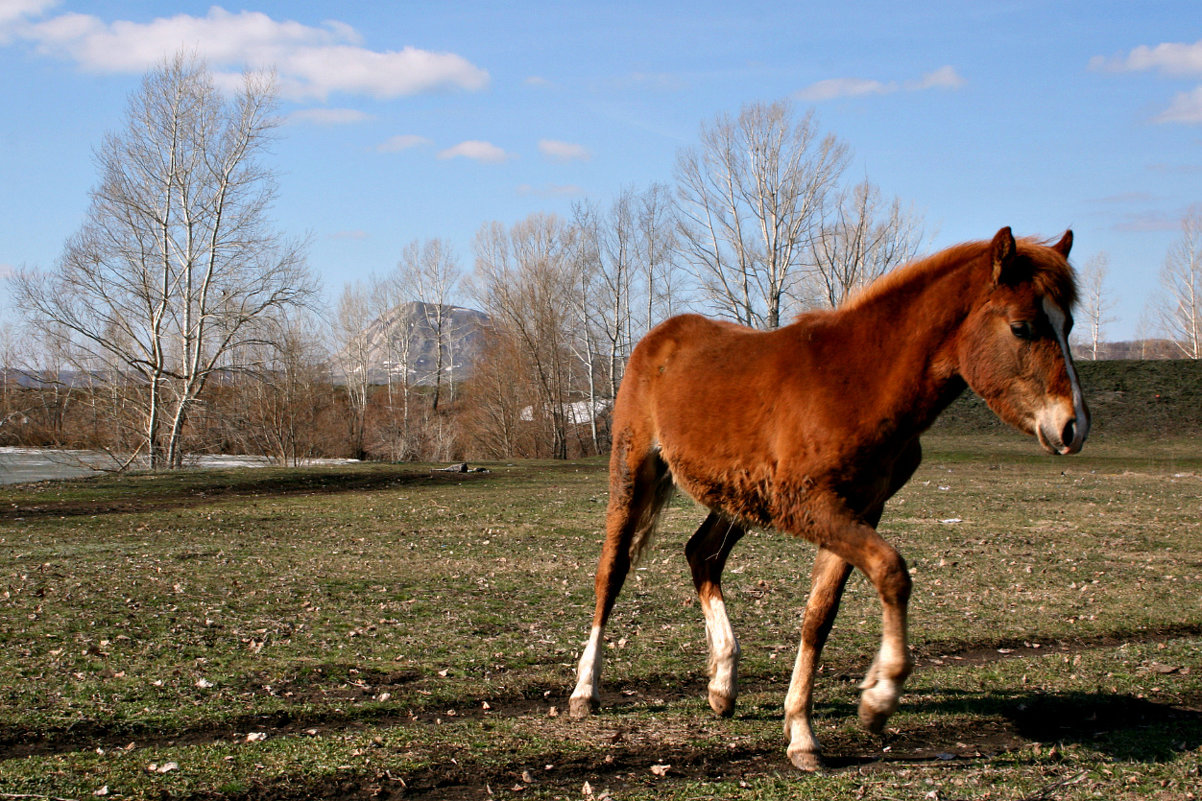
(411, 120)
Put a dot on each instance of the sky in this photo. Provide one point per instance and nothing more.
(410, 120)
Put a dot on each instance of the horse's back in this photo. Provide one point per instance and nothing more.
(700, 390)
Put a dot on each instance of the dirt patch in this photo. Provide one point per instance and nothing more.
(290, 484)
(937, 654)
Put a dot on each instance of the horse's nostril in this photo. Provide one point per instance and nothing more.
(1069, 434)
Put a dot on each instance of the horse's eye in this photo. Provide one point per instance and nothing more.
(1022, 330)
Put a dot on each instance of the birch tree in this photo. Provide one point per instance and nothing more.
(357, 306)
(176, 266)
(1094, 307)
(656, 246)
(429, 273)
(749, 196)
(859, 240)
(1181, 280)
(624, 271)
(589, 309)
(523, 280)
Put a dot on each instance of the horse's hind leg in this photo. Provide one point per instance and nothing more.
(706, 551)
(637, 492)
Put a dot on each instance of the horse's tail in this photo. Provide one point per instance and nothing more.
(644, 530)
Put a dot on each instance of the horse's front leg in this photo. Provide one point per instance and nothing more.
(886, 569)
(855, 542)
(828, 579)
(882, 686)
(707, 551)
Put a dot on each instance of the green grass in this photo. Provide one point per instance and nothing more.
(381, 631)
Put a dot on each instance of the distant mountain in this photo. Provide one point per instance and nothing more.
(403, 341)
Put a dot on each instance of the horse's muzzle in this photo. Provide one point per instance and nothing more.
(1060, 430)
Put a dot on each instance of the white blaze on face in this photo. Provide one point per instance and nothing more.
(1059, 321)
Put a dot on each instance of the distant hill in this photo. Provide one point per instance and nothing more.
(1156, 397)
(403, 340)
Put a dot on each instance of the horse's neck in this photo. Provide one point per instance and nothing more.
(902, 346)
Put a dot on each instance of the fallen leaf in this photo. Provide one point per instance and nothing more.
(204, 684)
(256, 736)
(660, 770)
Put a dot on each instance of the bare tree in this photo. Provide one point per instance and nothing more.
(286, 395)
(176, 267)
(430, 273)
(358, 305)
(1094, 307)
(499, 390)
(606, 269)
(398, 354)
(655, 249)
(1181, 279)
(523, 280)
(749, 197)
(590, 309)
(860, 240)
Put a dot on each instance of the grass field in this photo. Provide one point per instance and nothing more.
(388, 632)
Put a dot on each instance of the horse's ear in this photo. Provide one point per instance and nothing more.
(1003, 249)
(1065, 244)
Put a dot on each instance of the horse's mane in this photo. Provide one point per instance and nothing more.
(1051, 275)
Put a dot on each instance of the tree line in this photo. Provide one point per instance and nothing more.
(179, 321)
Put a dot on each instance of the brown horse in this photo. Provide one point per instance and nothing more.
(810, 428)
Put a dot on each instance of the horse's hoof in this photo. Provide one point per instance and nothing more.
(581, 708)
(808, 761)
(871, 718)
(723, 705)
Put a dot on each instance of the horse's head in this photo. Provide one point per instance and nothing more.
(1014, 350)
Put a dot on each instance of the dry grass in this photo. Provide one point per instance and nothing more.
(381, 631)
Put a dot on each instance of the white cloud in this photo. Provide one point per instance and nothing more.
(329, 116)
(943, 78)
(402, 142)
(477, 151)
(539, 81)
(16, 13)
(311, 62)
(1186, 107)
(563, 151)
(1175, 59)
(844, 87)
(317, 71)
(1170, 58)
